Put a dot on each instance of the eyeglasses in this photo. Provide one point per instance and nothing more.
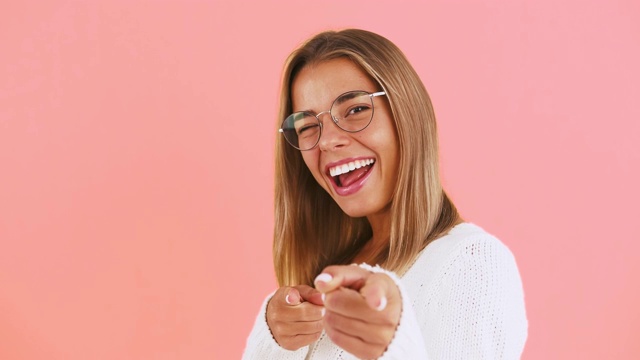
(351, 111)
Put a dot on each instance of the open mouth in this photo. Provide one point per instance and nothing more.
(348, 173)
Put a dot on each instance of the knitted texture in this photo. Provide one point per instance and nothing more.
(461, 299)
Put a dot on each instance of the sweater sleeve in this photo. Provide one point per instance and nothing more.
(407, 343)
(476, 310)
(261, 344)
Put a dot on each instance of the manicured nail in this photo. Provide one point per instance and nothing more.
(324, 277)
(322, 311)
(383, 304)
(322, 296)
(286, 298)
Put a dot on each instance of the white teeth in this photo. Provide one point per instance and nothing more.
(345, 168)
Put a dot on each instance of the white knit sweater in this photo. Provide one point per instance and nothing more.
(462, 299)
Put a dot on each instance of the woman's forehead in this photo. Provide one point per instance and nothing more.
(317, 85)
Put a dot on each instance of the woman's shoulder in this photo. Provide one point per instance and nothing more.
(466, 242)
(467, 239)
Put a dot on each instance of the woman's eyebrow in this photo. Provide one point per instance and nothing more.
(304, 111)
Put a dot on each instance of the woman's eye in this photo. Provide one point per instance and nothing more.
(306, 128)
(357, 109)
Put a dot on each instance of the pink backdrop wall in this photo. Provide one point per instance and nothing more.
(136, 163)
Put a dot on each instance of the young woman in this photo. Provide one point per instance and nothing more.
(357, 184)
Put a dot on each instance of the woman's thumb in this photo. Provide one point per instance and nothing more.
(292, 297)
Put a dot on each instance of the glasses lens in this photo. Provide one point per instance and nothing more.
(302, 130)
(353, 111)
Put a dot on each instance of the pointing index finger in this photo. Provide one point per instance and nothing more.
(333, 277)
(376, 291)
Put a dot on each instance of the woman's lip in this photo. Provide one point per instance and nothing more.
(353, 188)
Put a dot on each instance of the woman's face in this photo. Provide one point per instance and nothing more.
(371, 154)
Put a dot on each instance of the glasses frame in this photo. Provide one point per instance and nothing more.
(335, 121)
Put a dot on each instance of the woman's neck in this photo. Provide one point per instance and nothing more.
(381, 231)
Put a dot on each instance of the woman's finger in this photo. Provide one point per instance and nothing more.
(354, 344)
(292, 296)
(302, 312)
(307, 293)
(351, 304)
(373, 333)
(378, 289)
(295, 342)
(285, 307)
(298, 328)
(333, 277)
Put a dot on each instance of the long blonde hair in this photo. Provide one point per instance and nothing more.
(311, 231)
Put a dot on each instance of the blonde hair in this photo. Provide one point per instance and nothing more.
(311, 231)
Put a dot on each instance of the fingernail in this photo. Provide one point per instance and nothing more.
(322, 296)
(324, 277)
(286, 298)
(383, 304)
(322, 311)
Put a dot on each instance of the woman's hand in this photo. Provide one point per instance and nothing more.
(362, 309)
(294, 316)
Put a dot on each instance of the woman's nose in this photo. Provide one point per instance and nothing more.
(332, 136)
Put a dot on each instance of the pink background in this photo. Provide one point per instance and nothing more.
(136, 156)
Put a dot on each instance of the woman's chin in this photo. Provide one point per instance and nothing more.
(355, 210)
